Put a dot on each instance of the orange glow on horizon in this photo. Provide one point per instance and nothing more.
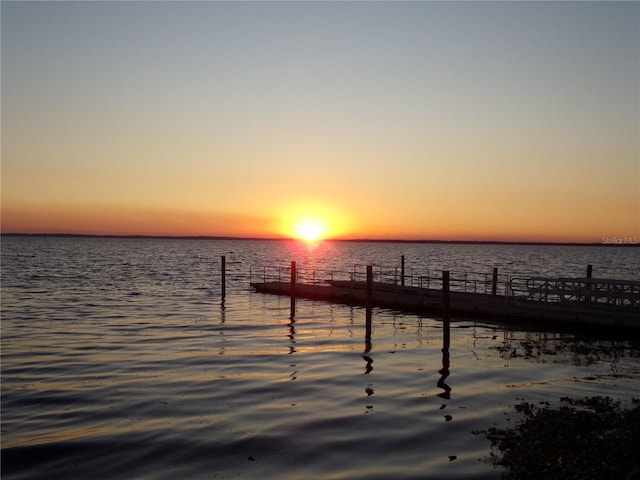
(308, 222)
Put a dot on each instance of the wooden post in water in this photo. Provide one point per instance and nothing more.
(367, 334)
(402, 270)
(445, 294)
(494, 281)
(368, 305)
(294, 275)
(223, 275)
(588, 287)
(369, 285)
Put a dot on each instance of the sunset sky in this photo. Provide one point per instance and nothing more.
(401, 120)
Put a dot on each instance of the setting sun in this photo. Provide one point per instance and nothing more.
(310, 229)
(312, 220)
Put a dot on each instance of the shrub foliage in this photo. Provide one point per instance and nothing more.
(586, 439)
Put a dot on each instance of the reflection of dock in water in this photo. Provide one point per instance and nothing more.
(581, 301)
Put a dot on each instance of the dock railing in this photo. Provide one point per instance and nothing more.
(616, 293)
(469, 282)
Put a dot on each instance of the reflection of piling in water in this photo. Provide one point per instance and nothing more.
(444, 372)
(369, 366)
(446, 337)
(367, 335)
(369, 286)
(292, 334)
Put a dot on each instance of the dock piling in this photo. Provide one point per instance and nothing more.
(494, 281)
(446, 337)
(445, 294)
(294, 276)
(587, 296)
(402, 270)
(369, 286)
(223, 275)
(369, 302)
(588, 301)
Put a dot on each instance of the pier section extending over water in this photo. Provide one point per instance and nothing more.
(583, 301)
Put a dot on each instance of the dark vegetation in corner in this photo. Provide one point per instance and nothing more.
(586, 439)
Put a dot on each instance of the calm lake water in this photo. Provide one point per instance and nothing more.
(119, 361)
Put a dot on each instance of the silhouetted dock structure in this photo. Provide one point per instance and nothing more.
(584, 301)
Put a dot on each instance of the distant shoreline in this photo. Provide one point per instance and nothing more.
(347, 240)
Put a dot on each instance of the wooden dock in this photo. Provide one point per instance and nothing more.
(579, 301)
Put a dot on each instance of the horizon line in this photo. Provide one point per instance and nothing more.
(271, 239)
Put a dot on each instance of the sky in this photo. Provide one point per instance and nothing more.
(509, 121)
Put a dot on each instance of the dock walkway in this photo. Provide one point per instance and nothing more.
(584, 301)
